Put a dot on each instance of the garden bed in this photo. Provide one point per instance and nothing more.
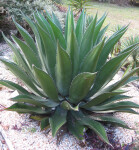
(24, 133)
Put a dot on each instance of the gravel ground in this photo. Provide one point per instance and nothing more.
(24, 133)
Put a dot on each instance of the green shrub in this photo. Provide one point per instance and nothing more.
(78, 5)
(67, 75)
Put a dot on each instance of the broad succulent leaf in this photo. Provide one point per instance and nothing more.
(47, 84)
(92, 124)
(77, 91)
(28, 52)
(49, 50)
(115, 106)
(14, 86)
(23, 108)
(27, 37)
(90, 61)
(87, 40)
(21, 74)
(99, 98)
(73, 51)
(80, 27)
(75, 127)
(112, 120)
(31, 99)
(58, 120)
(56, 21)
(63, 71)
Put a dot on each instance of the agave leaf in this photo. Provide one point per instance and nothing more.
(27, 37)
(14, 86)
(67, 106)
(97, 128)
(75, 127)
(90, 61)
(101, 34)
(20, 58)
(80, 27)
(109, 46)
(57, 120)
(114, 99)
(77, 91)
(123, 110)
(24, 108)
(73, 51)
(98, 27)
(123, 81)
(41, 23)
(44, 123)
(87, 40)
(92, 124)
(69, 25)
(115, 106)
(107, 72)
(47, 84)
(97, 99)
(128, 48)
(38, 40)
(47, 25)
(56, 21)
(112, 120)
(50, 51)
(58, 34)
(63, 71)
(34, 100)
(22, 75)
(17, 53)
(28, 52)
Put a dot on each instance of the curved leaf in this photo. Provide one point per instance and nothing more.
(97, 99)
(63, 71)
(23, 108)
(92, 124)
(56, 21)
(115, 106)
(75, 127)
(80, 27)
(28, 52)
(38, 101)
(80, 86)
(107, 72)
(14, 86)
(67, 106)
(73, 51)
(46, 83)
(90, 61)
(27, 37)
(58, 119)
(112, 120)
(50, 51)
(87, 40)
(22, 75)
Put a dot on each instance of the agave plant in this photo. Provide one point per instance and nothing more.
(67, 74)
(133, 62)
